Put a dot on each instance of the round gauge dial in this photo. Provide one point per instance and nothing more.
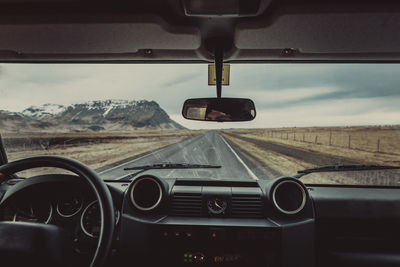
(217, 205)
(40, 212)
(69, 206)
(91, 219)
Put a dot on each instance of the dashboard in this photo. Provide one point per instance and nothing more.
(188, 222)
(217, 223)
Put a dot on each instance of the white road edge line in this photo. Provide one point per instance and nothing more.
(240, 160)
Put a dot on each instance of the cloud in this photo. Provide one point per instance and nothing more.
(285, 94)
(334, 113)
(288, 96)
(181, 80)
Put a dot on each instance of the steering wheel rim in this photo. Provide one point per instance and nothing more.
(98, 186)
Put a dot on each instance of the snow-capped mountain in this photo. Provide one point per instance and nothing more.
(47, 110)
(108, 115)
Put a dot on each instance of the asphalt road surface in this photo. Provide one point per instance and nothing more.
(209, 148)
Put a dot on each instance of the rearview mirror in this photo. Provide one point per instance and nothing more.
(219, 109)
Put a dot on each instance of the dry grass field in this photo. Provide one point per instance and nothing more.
(273, 164)
(286, 150)
(275, 152)
(94, 149)
(380, 144)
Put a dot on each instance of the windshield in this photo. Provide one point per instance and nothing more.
(113, 117)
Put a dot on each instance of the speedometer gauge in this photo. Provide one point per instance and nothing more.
(69, 206)
(91, 219)
(40, 212)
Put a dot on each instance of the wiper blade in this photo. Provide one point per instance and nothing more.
(344, 168)
(165, 166)
(172, 166)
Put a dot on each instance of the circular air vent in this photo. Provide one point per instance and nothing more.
(289, 197)
(146, 193)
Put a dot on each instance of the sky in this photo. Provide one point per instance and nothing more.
(285, 95)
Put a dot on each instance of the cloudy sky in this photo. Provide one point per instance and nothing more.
(285, 95)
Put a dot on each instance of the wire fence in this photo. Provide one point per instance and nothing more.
(368, 140)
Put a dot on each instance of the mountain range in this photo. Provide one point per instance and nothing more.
(102, 115)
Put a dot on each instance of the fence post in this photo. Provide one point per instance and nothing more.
(349, 141)
(316, 138)
(330, 138)
(287, 136)
(294, 136)
(378, 144)
(303, 137)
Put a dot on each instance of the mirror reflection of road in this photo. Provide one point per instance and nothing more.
(209, 148)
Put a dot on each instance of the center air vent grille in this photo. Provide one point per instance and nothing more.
(186, 204)
(247, 206)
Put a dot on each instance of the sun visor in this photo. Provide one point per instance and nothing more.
(97, 38)
(323, 33)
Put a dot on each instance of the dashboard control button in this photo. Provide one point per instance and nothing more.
(177, 234)
(199, 258)
(165, 234)
(194, 258)
(188, 258)
(189, 234)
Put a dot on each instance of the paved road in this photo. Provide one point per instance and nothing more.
(208, 148)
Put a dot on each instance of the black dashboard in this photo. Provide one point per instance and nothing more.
(217, 222)
(188, 222)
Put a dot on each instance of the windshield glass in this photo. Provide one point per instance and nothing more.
(112, 117)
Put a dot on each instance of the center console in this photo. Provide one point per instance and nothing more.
(217, 246)
(168, 222)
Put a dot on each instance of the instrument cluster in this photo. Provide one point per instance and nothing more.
(74, 211)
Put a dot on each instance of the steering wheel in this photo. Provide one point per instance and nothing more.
(50, 239)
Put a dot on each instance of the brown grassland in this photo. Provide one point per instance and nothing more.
(379, 144)
(97, 150)
(267, 148)
(368, 144)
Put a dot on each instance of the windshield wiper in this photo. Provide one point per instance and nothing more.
(344, 168)
(166, 166)
(172, 166)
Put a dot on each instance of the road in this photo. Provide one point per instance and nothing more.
(209, 148)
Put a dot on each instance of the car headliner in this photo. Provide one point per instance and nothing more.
(160, 31)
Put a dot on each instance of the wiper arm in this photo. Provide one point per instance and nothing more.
(172, 166)
(166, 166)
(344, 168)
